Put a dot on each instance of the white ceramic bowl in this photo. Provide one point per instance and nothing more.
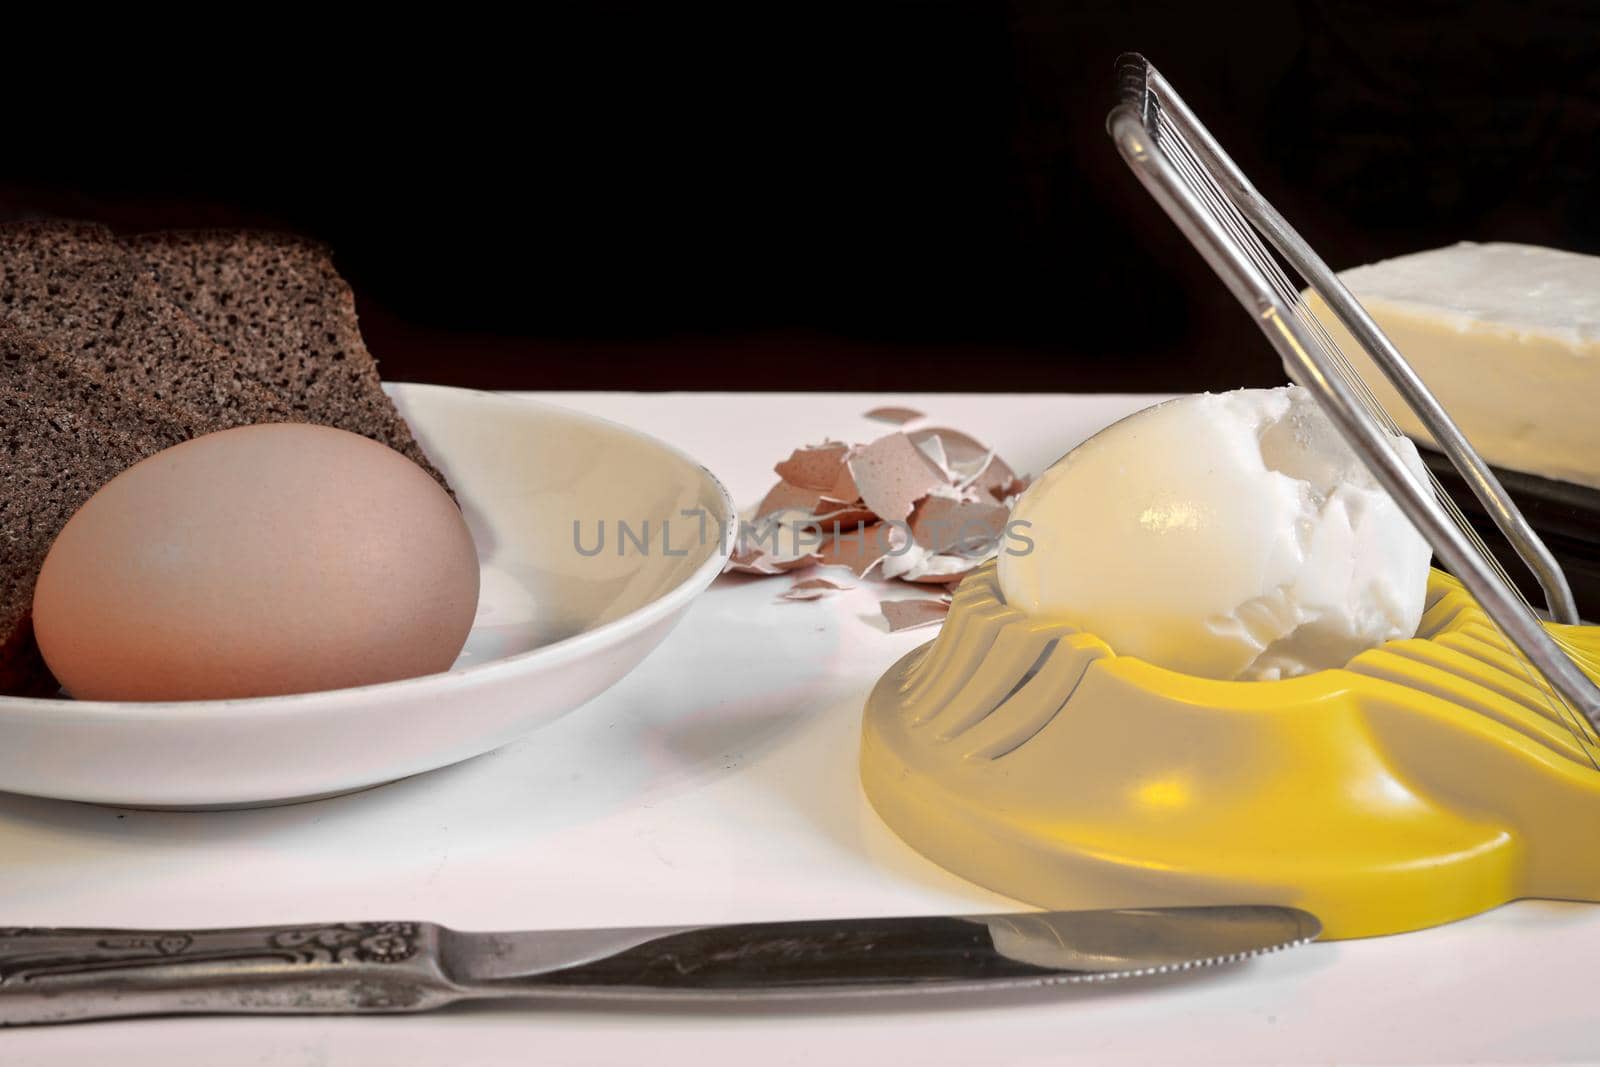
(555, 627)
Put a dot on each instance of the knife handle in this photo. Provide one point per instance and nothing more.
(62, 975)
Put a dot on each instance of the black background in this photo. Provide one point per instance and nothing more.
(867, 196)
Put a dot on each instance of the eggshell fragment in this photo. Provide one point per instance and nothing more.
(910, 614)
(897, 415)
(816, 467)
(893, 475)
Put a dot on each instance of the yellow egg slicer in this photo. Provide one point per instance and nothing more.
(1426, 780)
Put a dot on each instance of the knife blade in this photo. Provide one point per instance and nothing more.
(52, 975)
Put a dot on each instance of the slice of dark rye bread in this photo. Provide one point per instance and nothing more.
(52, 459)
(277, 304)
(74, 288)
(27, 365)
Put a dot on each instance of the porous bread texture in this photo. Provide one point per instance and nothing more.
(74, 288)
(277, 305)
(27, 365)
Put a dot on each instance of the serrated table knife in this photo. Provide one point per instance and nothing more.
(63, 975)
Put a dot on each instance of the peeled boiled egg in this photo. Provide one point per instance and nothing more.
(1232, 536)
(257, 561)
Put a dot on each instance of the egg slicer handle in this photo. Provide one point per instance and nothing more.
(1204, 193)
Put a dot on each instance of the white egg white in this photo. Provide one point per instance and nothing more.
(1231, 536)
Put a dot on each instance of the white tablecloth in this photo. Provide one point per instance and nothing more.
(717, 784)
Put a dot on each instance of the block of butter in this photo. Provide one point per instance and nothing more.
(1507, 336)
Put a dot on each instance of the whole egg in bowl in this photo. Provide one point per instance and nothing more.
(554, 628)
(257, 561)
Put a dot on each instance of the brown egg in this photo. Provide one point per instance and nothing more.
(261, 560)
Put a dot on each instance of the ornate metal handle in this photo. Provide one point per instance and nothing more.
(61, 975)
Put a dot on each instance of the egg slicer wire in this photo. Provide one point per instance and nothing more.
(1426, 780)
(1225, 218)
